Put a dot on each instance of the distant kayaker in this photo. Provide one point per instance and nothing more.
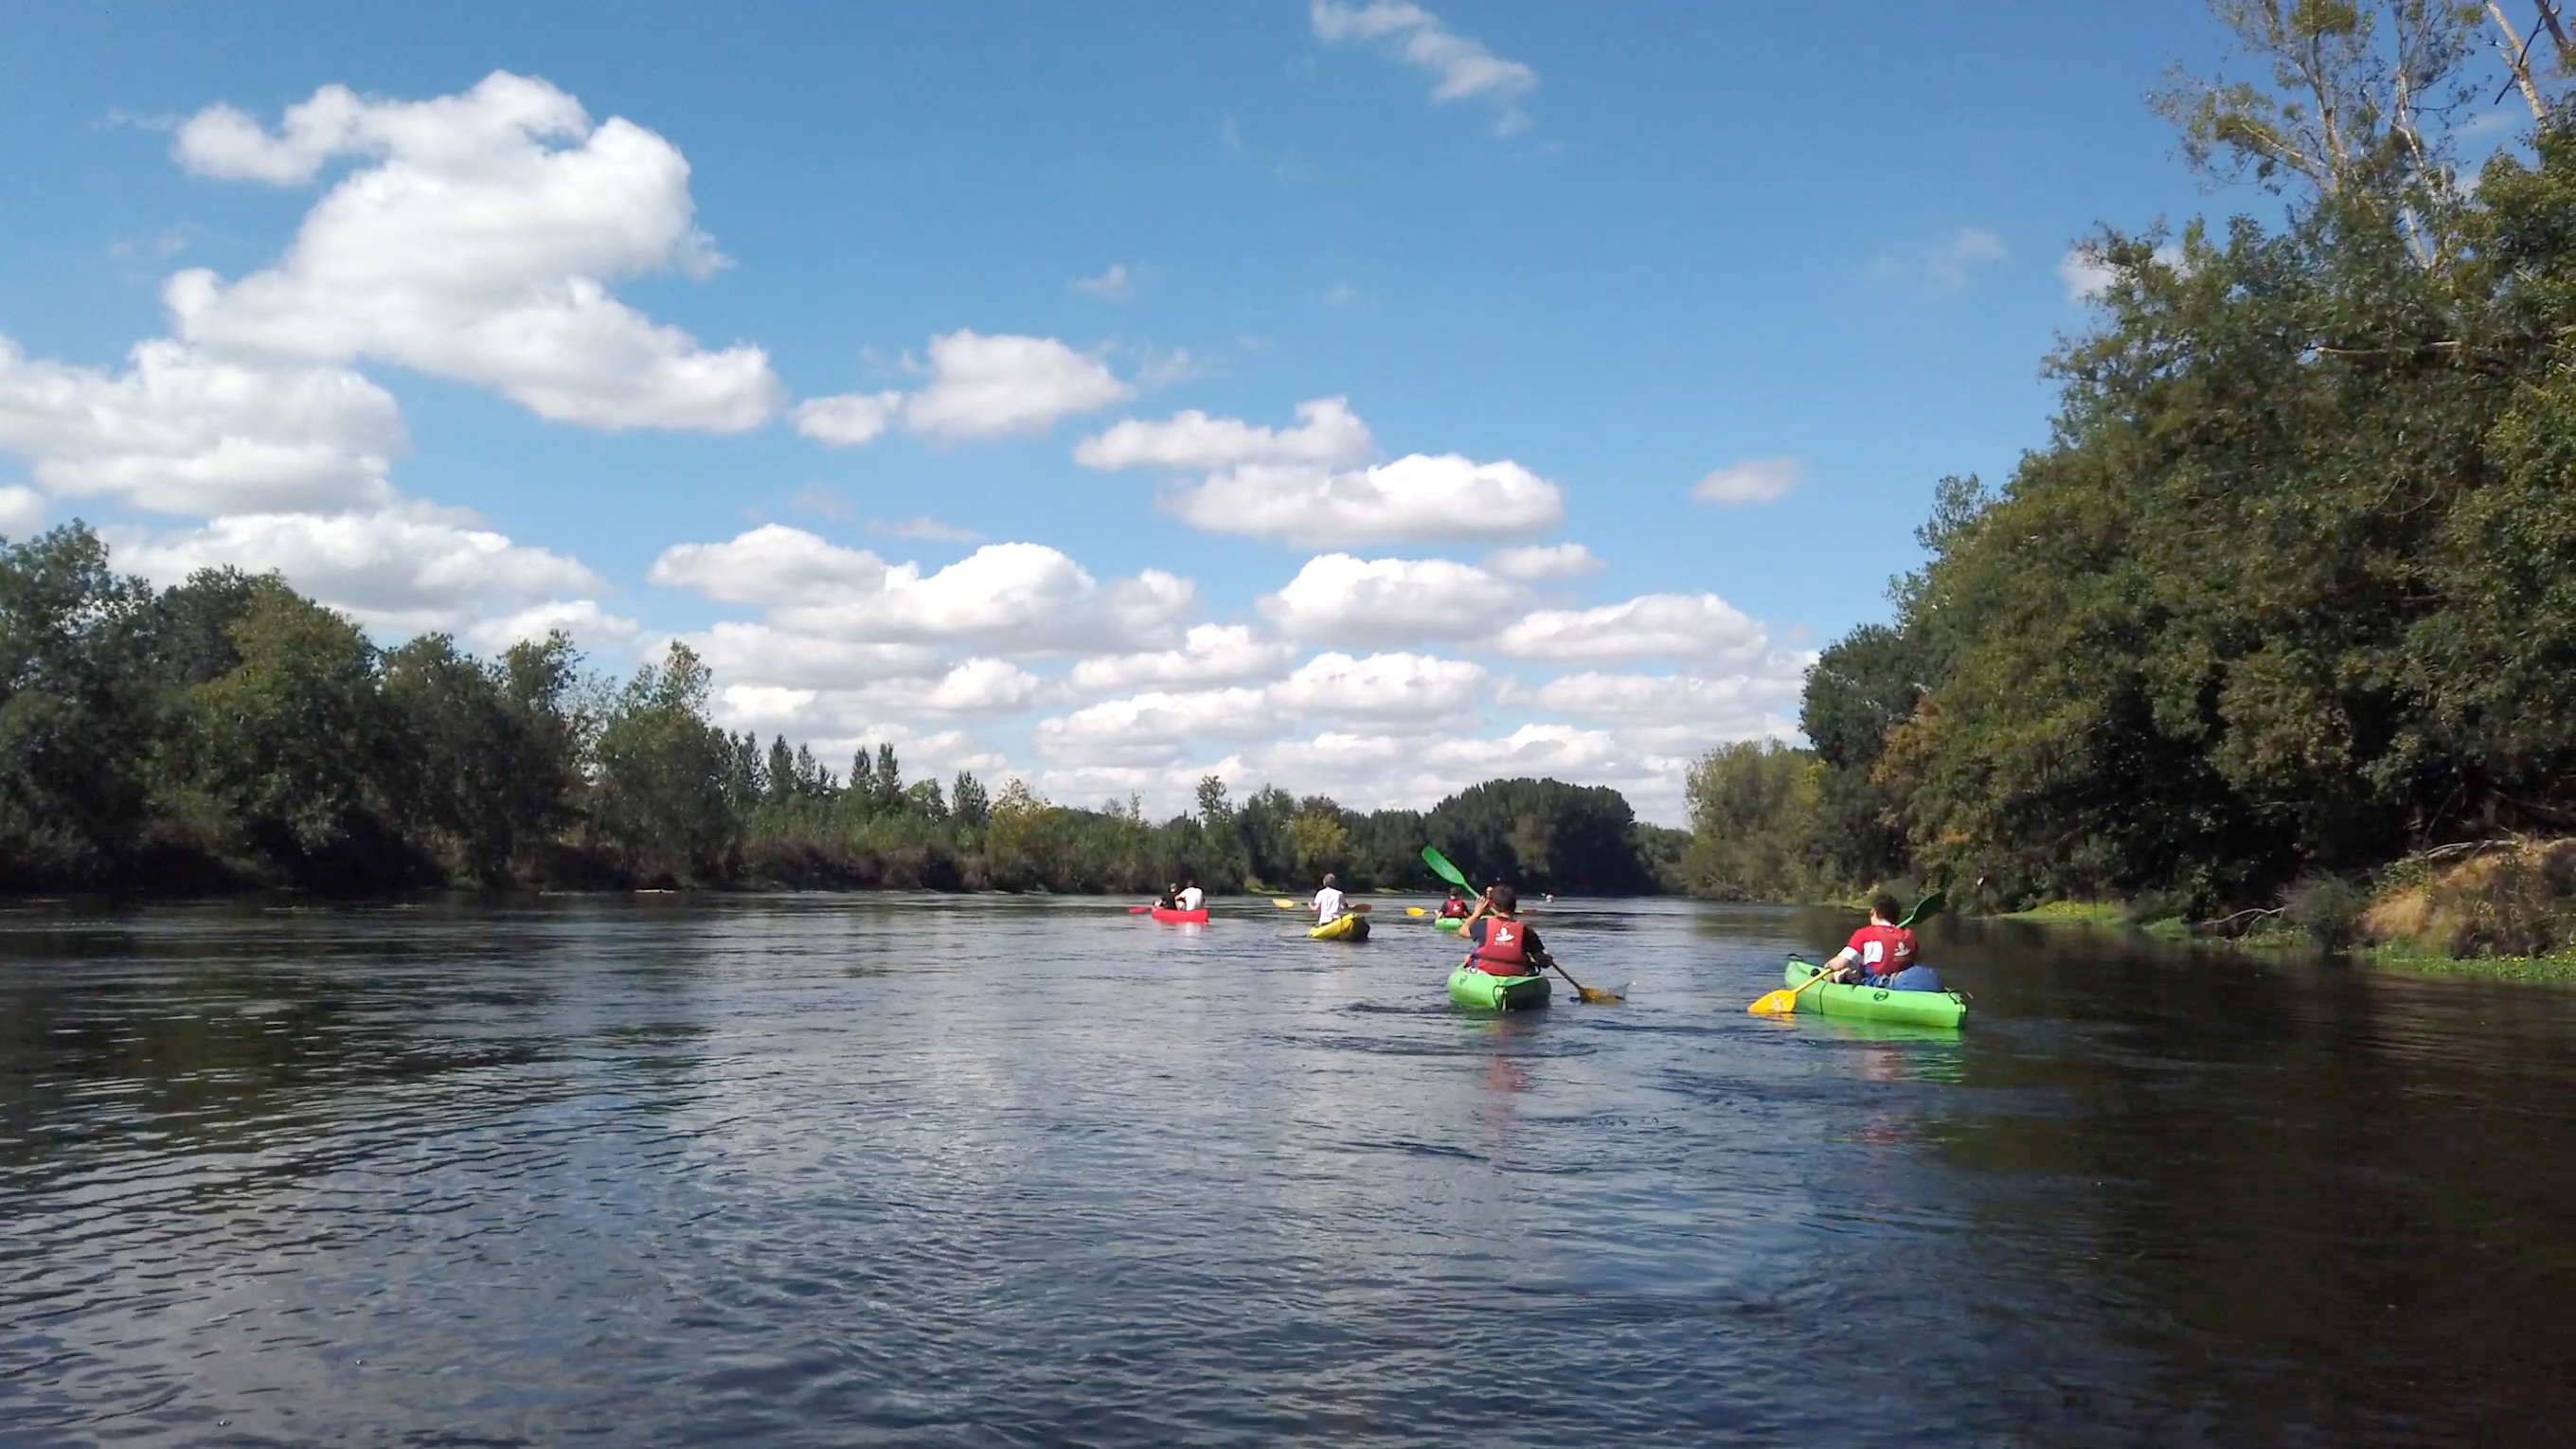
(1330, 904)
(1504, 947)
(1170, 899)
(1191, 898)
(1882, 953)
(1455, 907)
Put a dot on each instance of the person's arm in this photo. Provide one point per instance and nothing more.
(1483, 904)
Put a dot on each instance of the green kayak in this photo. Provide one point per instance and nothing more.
(1469, 987)
(1920, 1008)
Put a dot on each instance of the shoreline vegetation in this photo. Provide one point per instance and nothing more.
(2274, 640)
(228, 734)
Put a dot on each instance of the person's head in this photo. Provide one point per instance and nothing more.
(1884, 909)
(1190, 881)
(1332, 881)
(1505, 899)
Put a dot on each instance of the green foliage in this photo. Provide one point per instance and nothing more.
(1757, 824)
(229, 731)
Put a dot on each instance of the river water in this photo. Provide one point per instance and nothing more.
(941, 1171)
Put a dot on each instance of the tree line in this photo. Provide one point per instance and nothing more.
(228, 732)
(2291, 590)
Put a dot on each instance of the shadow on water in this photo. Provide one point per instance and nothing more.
(935, 1170)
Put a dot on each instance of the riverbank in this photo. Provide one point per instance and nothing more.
(2501, 910)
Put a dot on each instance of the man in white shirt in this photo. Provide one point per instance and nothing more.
(1191, 897)
(1330, 904)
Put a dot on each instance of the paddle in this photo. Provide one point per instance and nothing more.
(1354, 907)
(1441, 867)
(1140, 910)
(1784, 999)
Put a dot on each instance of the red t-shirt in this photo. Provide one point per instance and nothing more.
(1883, 950)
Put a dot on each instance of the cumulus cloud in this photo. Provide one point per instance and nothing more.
(1692, 627)
(1757, 480)
(1007, 597)
(978, 387)
(1327, 434)
(1406, 691)
(583, 619)
(402, 570)
(1302, 484)
(1152, 728)
(1460, 68)
(1412, 499)
(924, 529)
(736, 649)
(1208, 654)
(846, 420)
(22, 511)
(180, 432)
(1338, 599)
(476, 242)
(1540, 564)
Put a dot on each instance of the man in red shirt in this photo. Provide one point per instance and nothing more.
(1504, 947)
(1882, 954)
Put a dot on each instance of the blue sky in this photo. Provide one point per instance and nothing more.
(709, 321)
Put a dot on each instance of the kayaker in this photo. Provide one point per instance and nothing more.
(1169, 900)
(1504, 947)
(1882, 953)
(1330, 904)
(1191, 898)
(1455, 907)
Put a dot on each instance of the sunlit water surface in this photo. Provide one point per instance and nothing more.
(938, 1171)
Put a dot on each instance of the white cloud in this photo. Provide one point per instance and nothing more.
(2087, 276)
(1973, 246)
(1413, 499)
(22, 511)
(1327, 434)
(1007, 597)
(847, 419)
(1692, 627)
(1152, 728)
(1299, 484)
(1208, 654)
(772, 564)
(1541, 563)
(402, 571)
(1460, 68)
(1757, 480)
(1339, 599)
(986, 386)
(1683, 713)
(979, 387)
(477, 246)
(178, 432)
(1413, 691)
(770, 656)
(1114, 285)
(583, 619)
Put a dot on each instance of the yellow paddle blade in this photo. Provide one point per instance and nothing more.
(1415, 911)
(1286, 905)
(1778, 1001)
(1598, 996)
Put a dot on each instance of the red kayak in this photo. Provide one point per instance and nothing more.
(1181, 918)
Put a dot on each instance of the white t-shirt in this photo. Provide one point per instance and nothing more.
(1193, 899)
(1330, 905)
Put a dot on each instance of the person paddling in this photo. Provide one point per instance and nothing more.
(1169, 900)
(1504, 947)
(1455, 907)
(1190, 897)
(1882, 953)
(1330, 904)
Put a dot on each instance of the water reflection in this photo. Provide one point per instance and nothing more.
(925, 1170)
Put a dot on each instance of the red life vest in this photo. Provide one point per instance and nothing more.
(1502, 952)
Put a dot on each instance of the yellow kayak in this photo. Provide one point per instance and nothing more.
(1353, 927)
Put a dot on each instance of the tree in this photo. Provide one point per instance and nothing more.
(658, 801)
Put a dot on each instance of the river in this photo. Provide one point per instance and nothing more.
(978, 1171)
